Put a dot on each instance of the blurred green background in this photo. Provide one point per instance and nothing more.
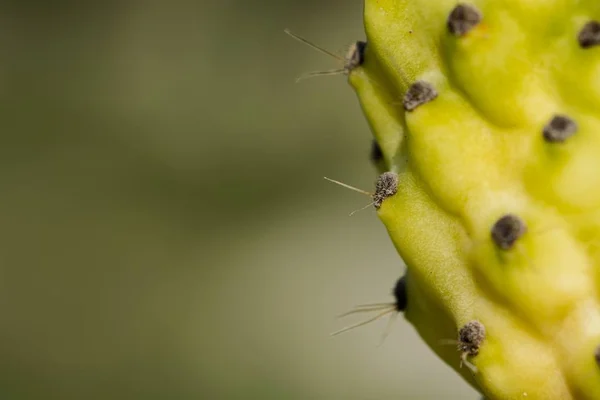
(166, 229)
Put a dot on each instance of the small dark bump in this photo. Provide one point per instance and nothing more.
(589, 35)
(418, 94)
(400, 294)
(597, 355)
(376, 153)
(386, 186)
(559, 129)
(507, 230)
(462, 19)
(355, 56)
(470, 337)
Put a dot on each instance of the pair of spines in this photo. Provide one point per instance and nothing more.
(384, 309)
(355, 56)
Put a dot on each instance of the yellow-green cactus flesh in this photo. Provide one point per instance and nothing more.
(487, 116)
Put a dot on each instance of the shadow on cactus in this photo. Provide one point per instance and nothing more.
(488, 116)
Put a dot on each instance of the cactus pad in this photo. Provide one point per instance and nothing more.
(487, 117)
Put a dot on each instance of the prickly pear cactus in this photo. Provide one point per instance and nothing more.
(489, 114)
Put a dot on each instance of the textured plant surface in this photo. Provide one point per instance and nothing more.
(489, 114)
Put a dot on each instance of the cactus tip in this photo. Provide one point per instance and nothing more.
(386, 186)
(470, 338)
(355, 56)
(376, 153)
(507, 230)
(559, 129)
(462, 19)
(419, 93)
(589, 35)
(400, 294)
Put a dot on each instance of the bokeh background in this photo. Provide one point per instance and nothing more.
(166, 232)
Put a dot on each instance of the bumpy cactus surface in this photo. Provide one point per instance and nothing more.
(489, 114)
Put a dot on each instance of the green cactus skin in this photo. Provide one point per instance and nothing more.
(496, 212)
